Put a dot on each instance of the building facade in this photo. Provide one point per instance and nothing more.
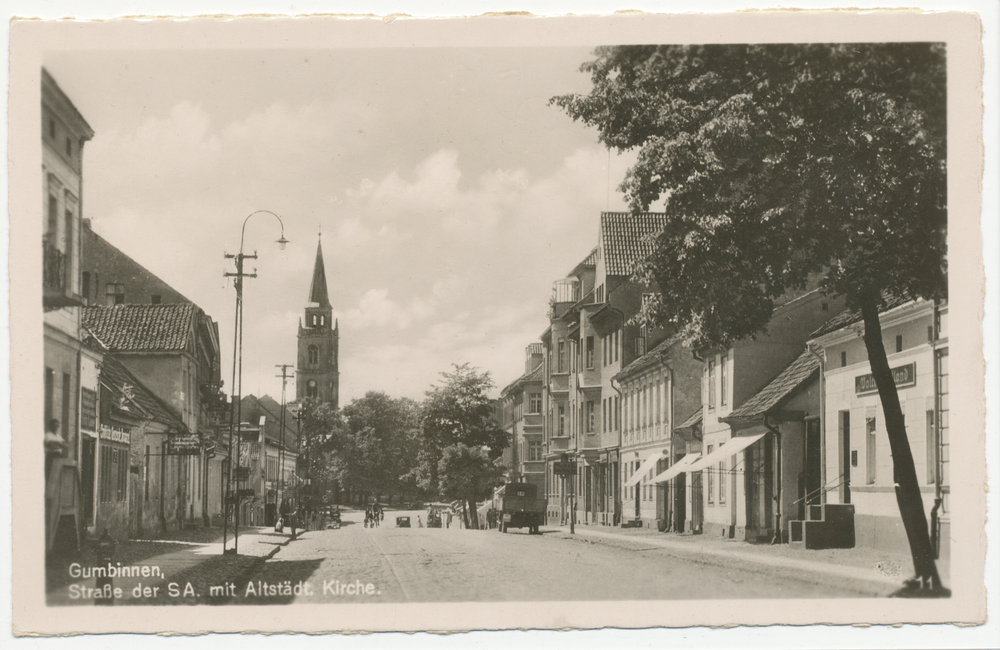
(64, 133)
(317, 374)
(521, 416)
(858, 464)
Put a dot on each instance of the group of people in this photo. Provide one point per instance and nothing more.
(492, 518)
(374, 514)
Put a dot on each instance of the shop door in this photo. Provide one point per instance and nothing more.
(87, 463)
(680, 501)
(758, 484)
(812, 464)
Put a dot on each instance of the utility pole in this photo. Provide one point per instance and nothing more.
(281, 450)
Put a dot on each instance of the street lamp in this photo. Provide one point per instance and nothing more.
(236, 410)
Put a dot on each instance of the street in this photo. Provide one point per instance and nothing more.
(427, 565)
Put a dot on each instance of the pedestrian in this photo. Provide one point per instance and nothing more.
(447, 520)
(420, 524)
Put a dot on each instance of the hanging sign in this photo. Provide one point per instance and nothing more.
(184, 445)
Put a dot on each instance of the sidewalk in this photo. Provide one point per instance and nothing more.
(881, 571)
(179, 570)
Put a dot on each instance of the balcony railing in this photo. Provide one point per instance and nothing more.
(54, 270)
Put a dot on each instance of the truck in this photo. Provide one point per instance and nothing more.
(520, 507)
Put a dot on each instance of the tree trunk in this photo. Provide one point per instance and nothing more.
(911, 506)
(473, 514)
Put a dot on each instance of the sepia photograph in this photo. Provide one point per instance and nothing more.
(457, 325)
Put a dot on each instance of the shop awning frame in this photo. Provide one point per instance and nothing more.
(677, 468)
(730, 447)
(644, 468)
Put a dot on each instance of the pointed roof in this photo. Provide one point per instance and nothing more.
(628, 237)
(317, 290)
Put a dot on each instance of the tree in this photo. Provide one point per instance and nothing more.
(782, 164)
(321, 439)
(381, 444)
(458, 411)
(468, 473)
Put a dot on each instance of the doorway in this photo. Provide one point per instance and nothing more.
(88, 460)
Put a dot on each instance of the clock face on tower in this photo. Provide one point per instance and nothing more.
(317, 375)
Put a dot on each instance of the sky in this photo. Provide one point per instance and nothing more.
(447, 193)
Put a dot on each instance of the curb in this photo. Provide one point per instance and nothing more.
(850, 573)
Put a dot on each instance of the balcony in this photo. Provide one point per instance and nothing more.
(57, 290)
(558, 383)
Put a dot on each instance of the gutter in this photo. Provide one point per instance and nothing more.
(777, 499)
(821, 357)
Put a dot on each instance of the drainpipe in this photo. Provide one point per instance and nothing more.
(777, 499)
(822, 422)
(938, 488)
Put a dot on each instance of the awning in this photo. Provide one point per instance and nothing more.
(645, 467)
(730, 447)
(676, 468)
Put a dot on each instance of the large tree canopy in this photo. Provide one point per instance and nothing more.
(781, 164)
(380, 444)
(778, 161)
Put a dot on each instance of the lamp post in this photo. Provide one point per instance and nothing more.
(236, 410)
(281, 451)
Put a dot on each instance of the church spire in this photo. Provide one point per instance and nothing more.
(317, 290)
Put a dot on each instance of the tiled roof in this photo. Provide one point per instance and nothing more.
(649, 359)
(693, 419)
(127, 391)
(534, 375)
(851, 316)
(134, 328)
(252, 408)
(772, 395)
(590, 260)
(628, 237)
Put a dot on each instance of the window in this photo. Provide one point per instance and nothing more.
(313, 355)
(899, 343)
(114, 294)
(604, 351)
(562, 421)
(114, 473)
(711, 384)
(85, 285)
(145, 476)
(322, 321)
(156, 299)
(724, 378)
(534, 402)
(561, 356)
(50, 389)
(871, 448)
(591, 416)
(722, 482)
(843, 359)
(931, 448)
(312, 388)
(710, 477)
(66, 386)
(640, 346)
(53, 214)
(534, 450)
(590, 353)
(616, 337)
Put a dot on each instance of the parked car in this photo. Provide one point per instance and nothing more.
(402, 522)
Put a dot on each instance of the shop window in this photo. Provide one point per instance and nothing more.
(114, 473)
(710, 477)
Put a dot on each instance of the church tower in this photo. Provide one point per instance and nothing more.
(316, 370)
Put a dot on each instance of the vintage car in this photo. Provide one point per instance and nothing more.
(402, 522)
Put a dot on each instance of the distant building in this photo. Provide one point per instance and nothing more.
(275, 476)
(317, 374)
(523, 420)
(64, 133)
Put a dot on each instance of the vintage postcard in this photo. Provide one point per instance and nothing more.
(496, 323)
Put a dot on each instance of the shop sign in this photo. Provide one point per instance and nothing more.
(564, 468)
(88, 409)
(242, 473)
(184, 445)
(115, 434)
(903, 376)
